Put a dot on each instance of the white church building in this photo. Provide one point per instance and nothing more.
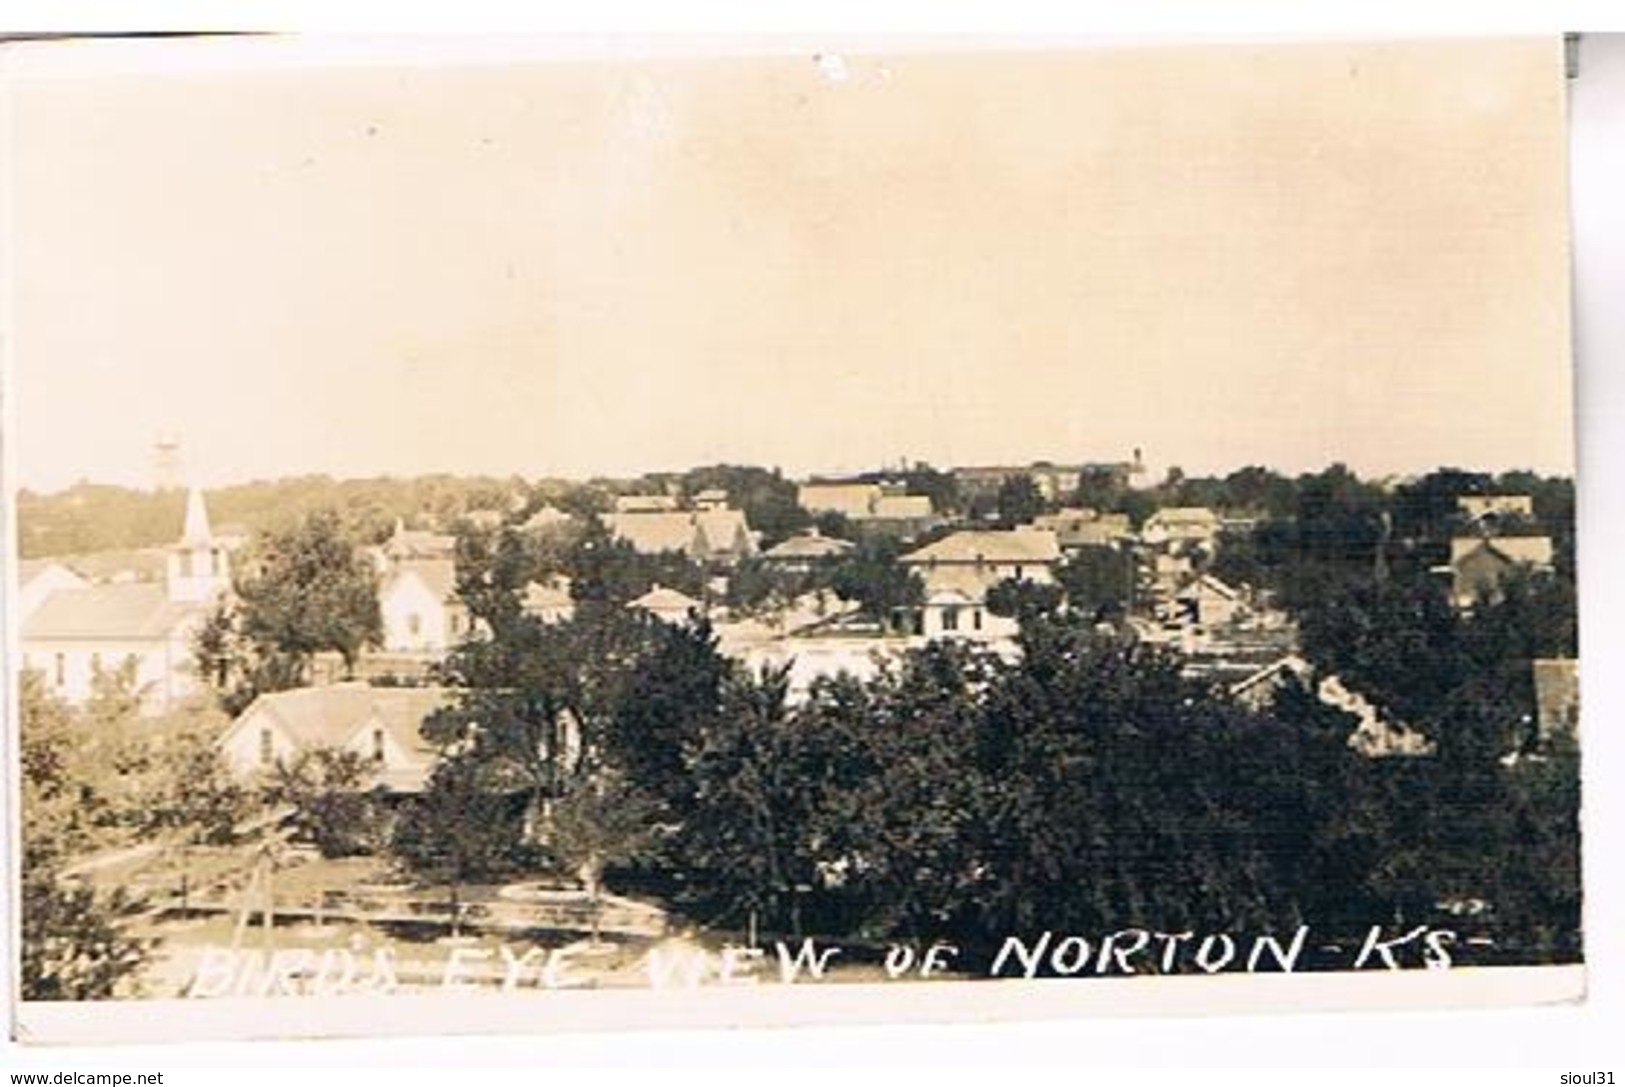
(75, 631)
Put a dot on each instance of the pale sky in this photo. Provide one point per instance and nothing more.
(1274, 254)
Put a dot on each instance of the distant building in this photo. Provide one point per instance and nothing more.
(720, 536)
(1371, 733)
(406, 544)
(959, 570)
(550, 600)
(1487, 509)
(1557, 696)
(1210, 602)
(1478, 564)
(75, 630)
(547, 519)
(421, 611)
(1053, 482)
(854, 499)
(802, 553)
(711, 499)
(645, 503)
(382, 725)
(668, 605)
(1181, 526)
(881, 508)
(1077, 528)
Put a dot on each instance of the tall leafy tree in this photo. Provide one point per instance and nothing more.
(1019, 500)
(309, 590)
(75, 943)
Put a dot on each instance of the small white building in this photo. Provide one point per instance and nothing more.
(960, 570)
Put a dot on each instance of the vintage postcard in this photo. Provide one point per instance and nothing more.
(507, 537)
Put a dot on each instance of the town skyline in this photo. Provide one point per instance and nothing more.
(144, 479)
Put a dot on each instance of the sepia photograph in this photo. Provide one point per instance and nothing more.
(499, 534)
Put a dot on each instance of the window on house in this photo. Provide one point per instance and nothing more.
(414, 624)
(267, 752)
(950, 618)
(61, 669)
(377, 745)
(1017, 574)
(976, 618)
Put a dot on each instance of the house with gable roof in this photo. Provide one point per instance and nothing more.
(382, 725)
(959, 570)
(667, 604)
(421, 611)
(714, 535)
(802, 553)
(1479, 563)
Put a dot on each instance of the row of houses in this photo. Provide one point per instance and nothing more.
(76, 618)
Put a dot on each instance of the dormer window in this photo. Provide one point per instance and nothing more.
(377, 745)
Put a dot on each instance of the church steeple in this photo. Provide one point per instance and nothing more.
(196, 531)
(199, 571)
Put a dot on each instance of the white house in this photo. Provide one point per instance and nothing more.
(421, 612)
(959, 570)
(550, 600)
(77, 629)
(380, 724)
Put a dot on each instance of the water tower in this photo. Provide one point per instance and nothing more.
(168, 473)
